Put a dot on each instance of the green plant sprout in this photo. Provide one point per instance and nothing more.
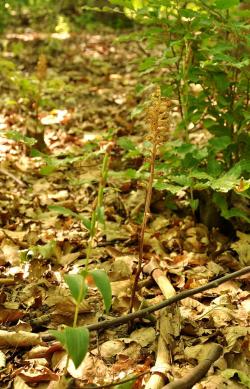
(76, 339)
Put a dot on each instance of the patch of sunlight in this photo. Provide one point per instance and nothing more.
(56, 116)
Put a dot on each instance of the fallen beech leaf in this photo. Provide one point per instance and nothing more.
(37, 352)
(242, 247)
(10, 315)
(18, 339)
(68, 258)
(11, 253)
(37, 374)
(143, 336)
(120, 288)
(233, 333)
(15, 235)
(91, 369)
(198, 352)
(20, 384)
(111, 348)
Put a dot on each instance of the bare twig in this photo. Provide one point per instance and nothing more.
(13, 177)
(189, 380)
(165, 303)
(144, 312)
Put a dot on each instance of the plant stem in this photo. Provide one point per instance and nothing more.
(144, 224)
(97, 207)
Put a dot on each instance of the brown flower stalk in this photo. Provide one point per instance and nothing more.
(41, 69)
(158, 118)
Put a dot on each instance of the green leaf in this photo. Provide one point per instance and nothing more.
(86, 222)
(214, 167)
(243, 377)
(48, 169)
(220, 142)
(15, 135)
(219, 200)
(62, 210)
(100, 215)
(148, 64)
(162, 185)
(77, 286)
(59, 335)
(225, 4)
(48, 250)
(194, 204)
(102, 283)
(67, 212)
(6, 65)
(130, 173)
(77, 343)
(228, 180)
(126, 143)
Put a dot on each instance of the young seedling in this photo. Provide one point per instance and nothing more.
(76, 339)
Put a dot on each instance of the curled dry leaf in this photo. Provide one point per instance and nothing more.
(20, 384)
(120, 288)
(37, 374)
(111, 348)
(198, 352)
(144, 336)
(242, 246)
(233, 333)
(92, 370)
(10, 315)
(18, 339)
(122, 268)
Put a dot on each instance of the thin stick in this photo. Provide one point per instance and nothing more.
(165, 303)
(198, 372)
(13, 177)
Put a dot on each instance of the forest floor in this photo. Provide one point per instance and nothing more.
(88, 97)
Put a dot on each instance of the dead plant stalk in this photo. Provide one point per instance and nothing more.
(158, 119)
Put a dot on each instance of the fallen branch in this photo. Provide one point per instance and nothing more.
(168, 327)
(165, 303)
(198, 372)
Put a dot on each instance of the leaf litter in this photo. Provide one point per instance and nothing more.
(95, 92)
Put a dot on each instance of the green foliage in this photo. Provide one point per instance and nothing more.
(226, 4)
(76, 339)
(67, 212)
(203, 58)
(18, 137)
(102, 283)
(243, 377)
(46, 251)
(76, 342)
(77, 286)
